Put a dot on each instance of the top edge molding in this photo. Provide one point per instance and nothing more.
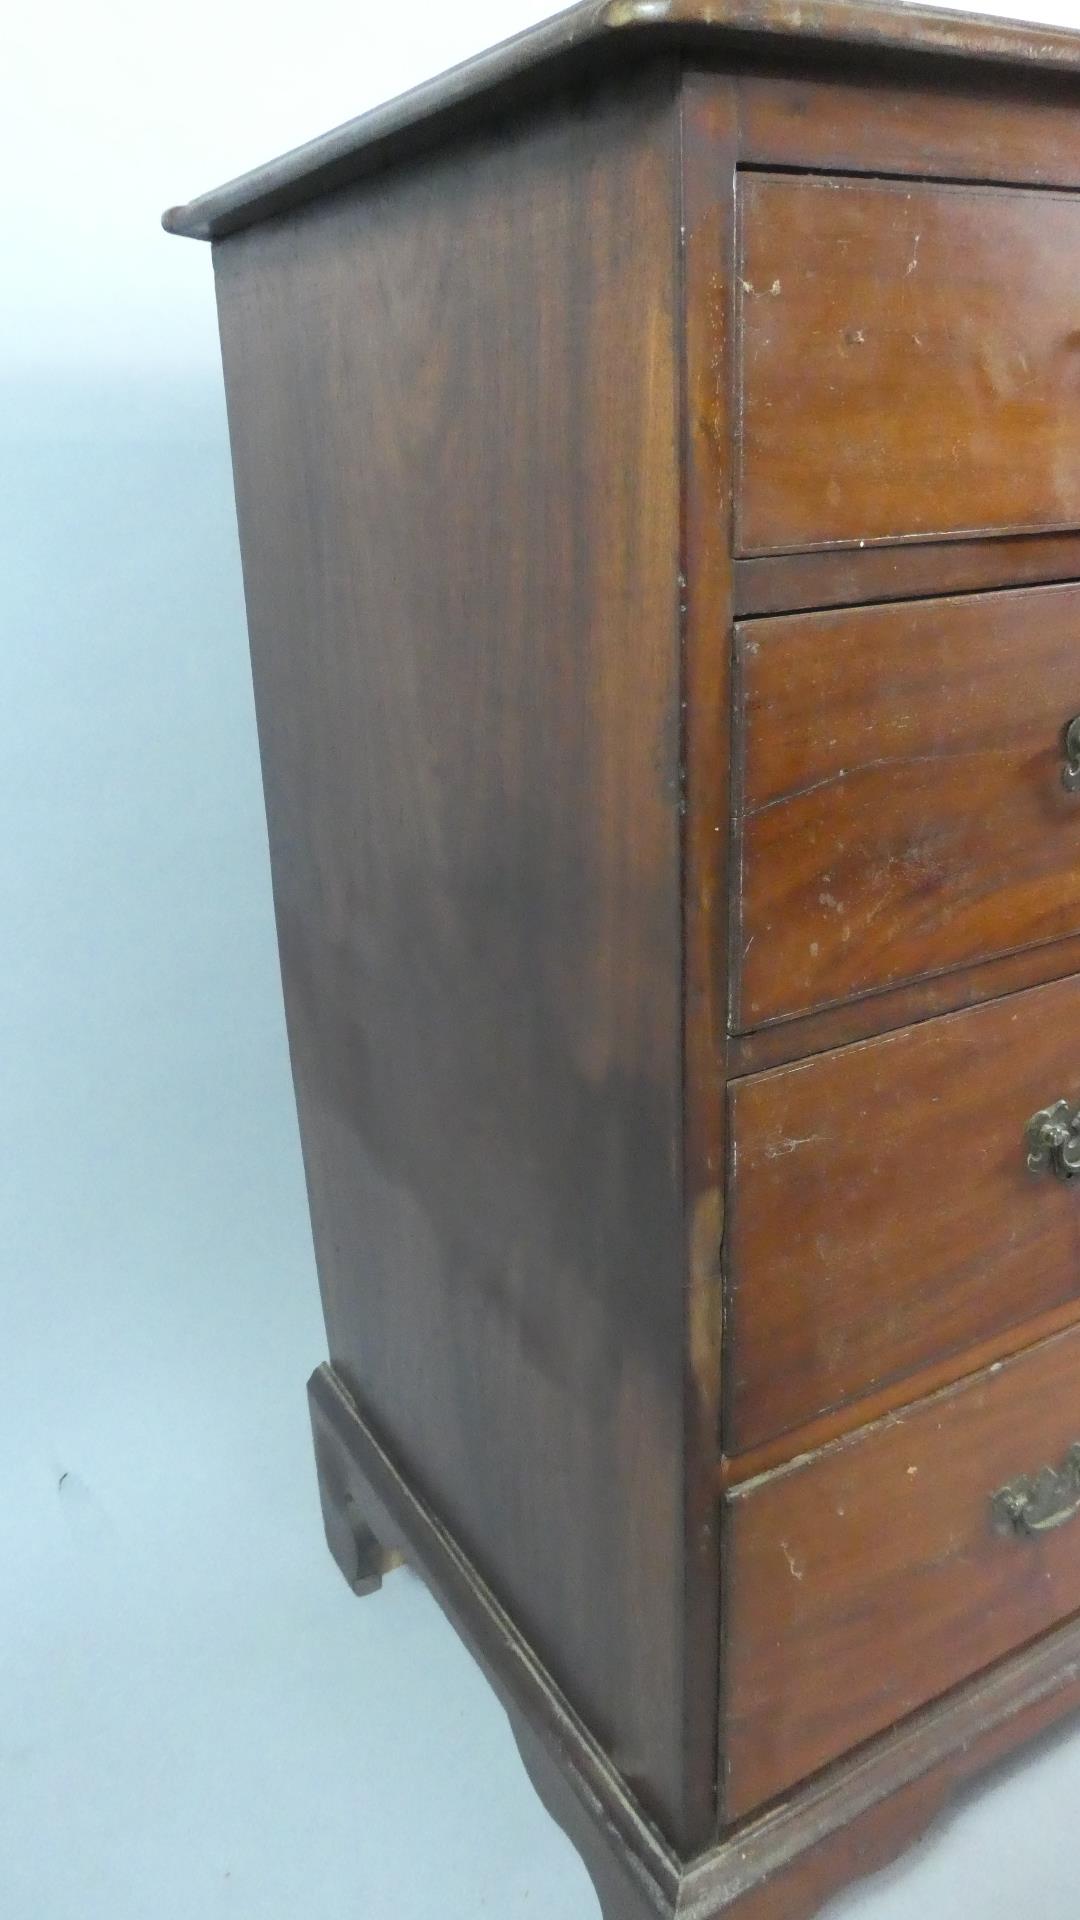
(589, 33)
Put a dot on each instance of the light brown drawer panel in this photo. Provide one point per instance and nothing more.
(882, 1216)
(910, 360)
(873, 1576)
(901, 801)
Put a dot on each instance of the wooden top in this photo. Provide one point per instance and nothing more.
(597, 29)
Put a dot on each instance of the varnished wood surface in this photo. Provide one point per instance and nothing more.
(603, 31)
(458, 502)
(882, 1214)
(901, 808)
(868, 1579)
(910, 360)
(853, 576)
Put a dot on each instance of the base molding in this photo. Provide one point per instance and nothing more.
(781, 1864)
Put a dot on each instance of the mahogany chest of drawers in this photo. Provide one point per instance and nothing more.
(657, 454)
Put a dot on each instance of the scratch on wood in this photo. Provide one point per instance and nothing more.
(797, 1572)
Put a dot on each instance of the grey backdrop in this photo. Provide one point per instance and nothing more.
(196, 1718)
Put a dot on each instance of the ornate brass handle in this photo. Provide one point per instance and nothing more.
(1053, 1141)
(1070, 772)
(1042, 1502)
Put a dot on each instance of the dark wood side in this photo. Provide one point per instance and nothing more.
(868, 1578)
(453, 397)
(882, 1214)
(902, 808)
(778, 1865)
(910, 360)
(855, 576)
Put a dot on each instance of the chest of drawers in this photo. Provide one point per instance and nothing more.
(657, 454)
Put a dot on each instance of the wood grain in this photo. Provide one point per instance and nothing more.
(911, 360)
(869, 1578)
(902, 810)
(459, 510)
(882, 1215)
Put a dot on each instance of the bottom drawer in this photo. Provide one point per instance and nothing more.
(864, 1580)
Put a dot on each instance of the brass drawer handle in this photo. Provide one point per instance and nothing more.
(1070, 772)
(1039, 1504)
(1053, 1141)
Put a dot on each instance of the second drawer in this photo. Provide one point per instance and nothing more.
(881, 1212)
(908, 801)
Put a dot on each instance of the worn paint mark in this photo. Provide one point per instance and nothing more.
(797, 1572)
(883, 764)
(776, 1148)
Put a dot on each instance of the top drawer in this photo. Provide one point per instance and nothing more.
(910, 360)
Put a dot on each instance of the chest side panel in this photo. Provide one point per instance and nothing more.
(454, 405)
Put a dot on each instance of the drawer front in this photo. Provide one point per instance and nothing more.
(882, 1215)
(910, 360)
(902, 804)
(870, 1578)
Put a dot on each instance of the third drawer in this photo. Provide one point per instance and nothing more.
(882, 1214)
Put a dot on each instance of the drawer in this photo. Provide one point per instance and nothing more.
(882, 1215)
(871, 1577)
(910, 360)
(901, 797)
